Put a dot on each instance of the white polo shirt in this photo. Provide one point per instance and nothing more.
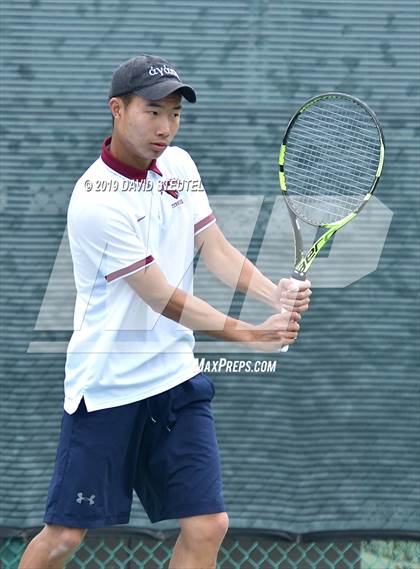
(121, 220)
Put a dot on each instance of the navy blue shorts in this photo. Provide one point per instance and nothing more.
(163, 447)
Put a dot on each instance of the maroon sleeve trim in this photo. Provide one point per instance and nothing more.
(137, 265)
(200, 224)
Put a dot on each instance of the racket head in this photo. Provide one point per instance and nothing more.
(331, 159)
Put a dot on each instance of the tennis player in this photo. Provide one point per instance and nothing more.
(137, 411)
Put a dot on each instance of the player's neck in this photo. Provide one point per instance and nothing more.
(120, 151)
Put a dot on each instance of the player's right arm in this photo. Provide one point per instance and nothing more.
(196, 314)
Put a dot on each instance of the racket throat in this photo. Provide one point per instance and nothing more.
(302, 267)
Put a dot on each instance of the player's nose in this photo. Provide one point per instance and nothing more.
(163, 127)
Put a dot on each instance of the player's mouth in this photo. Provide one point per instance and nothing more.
(159, 146)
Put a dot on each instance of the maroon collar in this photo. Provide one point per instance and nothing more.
(124, 169)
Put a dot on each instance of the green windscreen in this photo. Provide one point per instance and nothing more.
(327, 441)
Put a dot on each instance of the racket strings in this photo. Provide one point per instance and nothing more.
(359, 175)
(336, 143)
(332, 155)
(352, 114)
(339, 200)
(341, 146)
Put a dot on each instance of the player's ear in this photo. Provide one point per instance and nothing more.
(115, 105)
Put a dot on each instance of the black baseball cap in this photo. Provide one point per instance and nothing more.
(150, 77)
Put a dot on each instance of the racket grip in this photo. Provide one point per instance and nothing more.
(295, 283)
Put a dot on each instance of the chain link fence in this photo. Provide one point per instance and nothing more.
(137, 551)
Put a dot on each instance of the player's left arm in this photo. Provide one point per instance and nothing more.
(238, 272)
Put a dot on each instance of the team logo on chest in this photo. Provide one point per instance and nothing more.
(177, 203)
(169, 187)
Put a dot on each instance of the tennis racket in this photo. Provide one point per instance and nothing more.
(330, 162)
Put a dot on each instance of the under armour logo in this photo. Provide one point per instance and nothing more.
(80, 499)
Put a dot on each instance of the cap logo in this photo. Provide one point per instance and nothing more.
(163, 70)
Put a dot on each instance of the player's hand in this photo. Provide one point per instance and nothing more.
(290, 299)
(277, 331)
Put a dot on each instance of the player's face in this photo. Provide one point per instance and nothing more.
(146, 128)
